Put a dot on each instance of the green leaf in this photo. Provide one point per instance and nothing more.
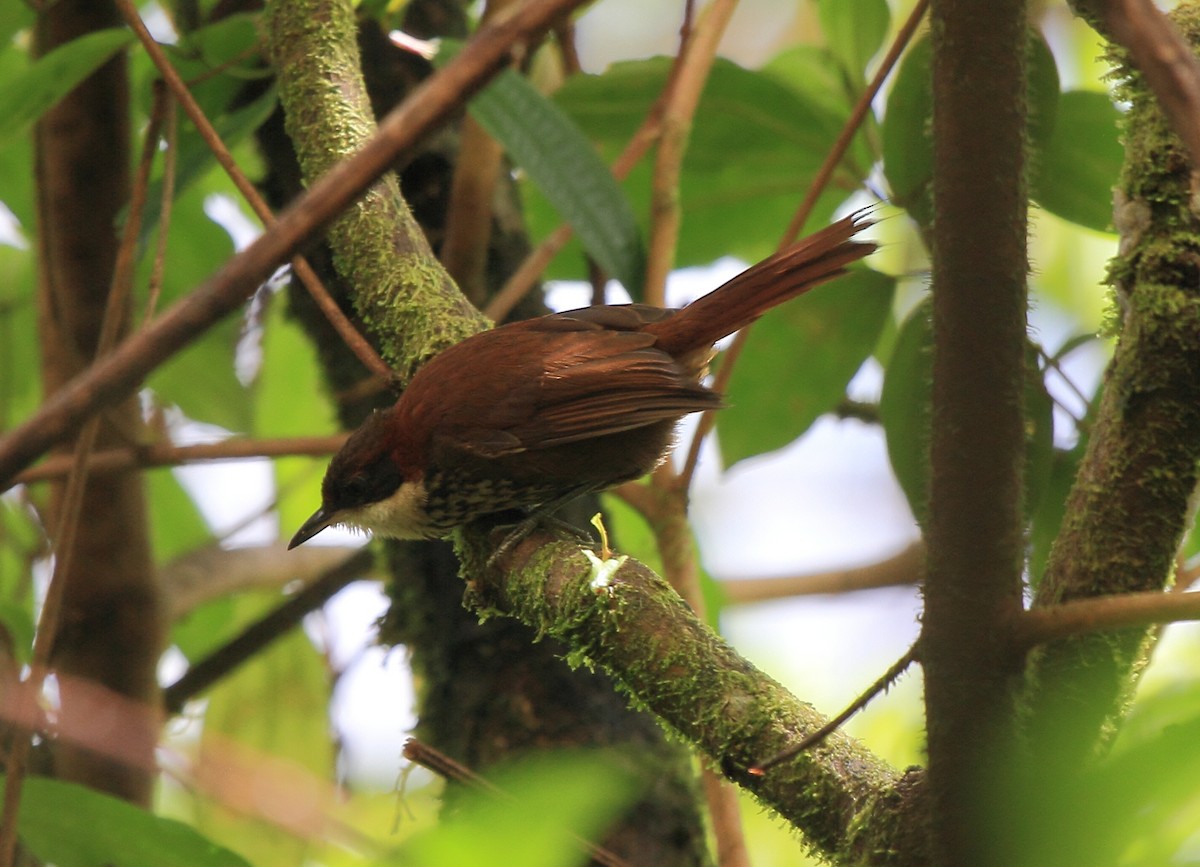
(1043, 91)
(907, 147)
(14, 17)
(904, 409)
(276, 703)
(226, 44)
(20, 545)
(1075, 170)
(195, 158)
(567, 169)
(205, 628)
(551, 797)
(72, 826)
(854, 30)
(201, 380)
(175, 521)
(38, 88)
(779, 131)
(290, 367)
(798, 360)
(20, 380)
(813, 70)
(1048, 516)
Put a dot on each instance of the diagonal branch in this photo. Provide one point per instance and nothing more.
(839, 795)
(118, 375)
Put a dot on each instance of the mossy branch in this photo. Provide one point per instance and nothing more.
(1130, 504)
(399, 289)
(848, 804)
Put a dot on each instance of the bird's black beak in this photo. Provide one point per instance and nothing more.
(319, 521)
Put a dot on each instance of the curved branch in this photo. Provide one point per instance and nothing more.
(680, 669)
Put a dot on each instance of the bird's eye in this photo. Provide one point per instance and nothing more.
(355, 488)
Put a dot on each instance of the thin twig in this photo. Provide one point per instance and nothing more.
(700, 36)
(167, 455)
(820, 181)
(1102, 614)
(699, 53)
(329, 307)
(904, 568)
(464, 250)
(881, 685)
(265, 630)
(166, 203)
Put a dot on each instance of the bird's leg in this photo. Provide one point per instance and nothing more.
(543, 514)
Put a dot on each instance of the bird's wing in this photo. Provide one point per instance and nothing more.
(591, 381)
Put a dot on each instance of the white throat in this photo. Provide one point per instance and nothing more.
(400, 516)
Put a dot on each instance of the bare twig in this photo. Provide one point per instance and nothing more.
(700, 36)
(116, 376)
(699, 53)
(167, 455)
(906, 567)
(1103, 613)
(464, 249)
(881, 685)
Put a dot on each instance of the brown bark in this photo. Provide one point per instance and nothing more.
(110, 630)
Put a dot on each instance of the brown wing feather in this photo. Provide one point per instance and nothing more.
(592, 382)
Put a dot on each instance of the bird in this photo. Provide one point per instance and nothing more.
(529, 415)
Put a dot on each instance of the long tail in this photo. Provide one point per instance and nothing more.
(735, 304)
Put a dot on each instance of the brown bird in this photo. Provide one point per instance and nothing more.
(532, 414)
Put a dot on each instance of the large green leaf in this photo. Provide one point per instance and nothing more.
(798, 360)
(565, 166)
(277, 705)
(904, 409)
(290, 367)
(548, 798)
(72, 826)
(816, 71)
(33, 91)
(907, 147)
(20, 543)
(20, 382)
(854, 31)
(194, 157)
(176, 523)
(1076, 168)
(201, 379)
(756, 142)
